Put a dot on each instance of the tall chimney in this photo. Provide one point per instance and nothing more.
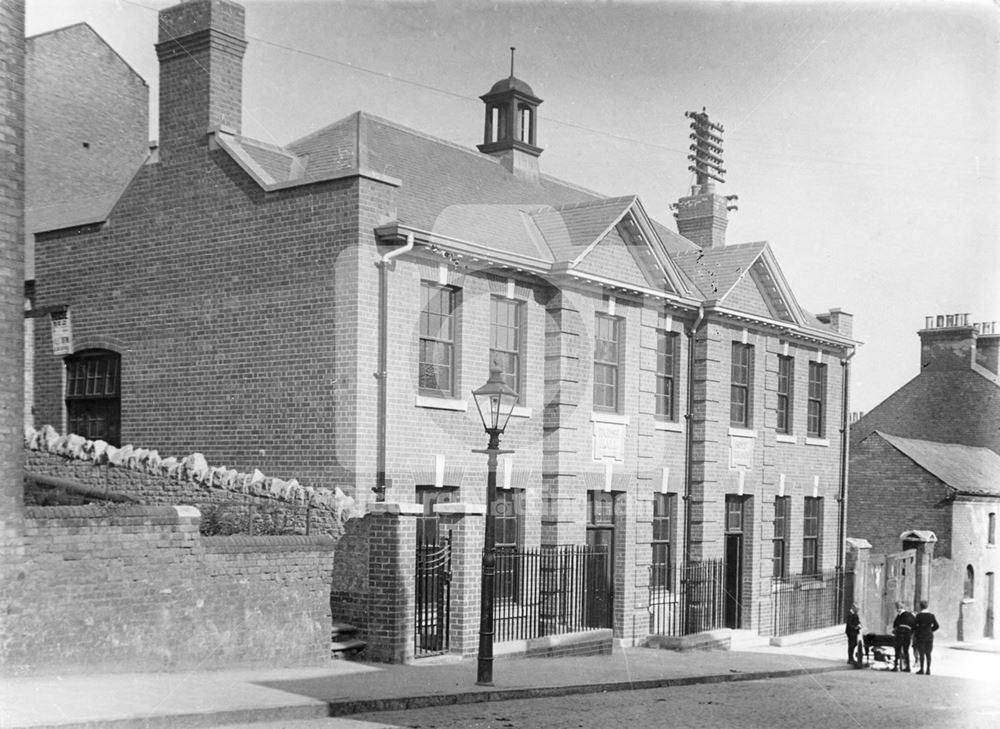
(200, 48)
(703, 215)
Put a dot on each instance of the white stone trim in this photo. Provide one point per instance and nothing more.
(786, 438)
(599, 417)
(458, 507)
(441, 403)
(669, 425)
(822, 442)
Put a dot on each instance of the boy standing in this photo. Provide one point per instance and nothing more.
(924, 626)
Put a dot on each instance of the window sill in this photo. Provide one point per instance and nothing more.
(742, 432)
(441, 403)
(599, 417)
(785, 438)
(822, 442)
(520, 412)
(669, 425)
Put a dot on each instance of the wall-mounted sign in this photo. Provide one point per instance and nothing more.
(609, 442)
(62, 333)
(741, 452)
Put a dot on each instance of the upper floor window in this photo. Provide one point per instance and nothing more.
(969, 588)
(991, 529)
(93, 395)
(812, 527)
(666, 371)
(786, 376)
(779, 544)
(816, 425)
(607, 352)
(742, 384)
(664, 523)
(438, 337)
(506, 339)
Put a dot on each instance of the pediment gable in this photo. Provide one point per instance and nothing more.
(621, 257)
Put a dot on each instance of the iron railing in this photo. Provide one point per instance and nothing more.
(551, 590)
(686, 599)
(806, 602)
(433, 598)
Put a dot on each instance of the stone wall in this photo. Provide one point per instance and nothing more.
(137, 588)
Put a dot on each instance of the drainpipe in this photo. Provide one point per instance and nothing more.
(383, 345)
(845, 444)
(689, 435)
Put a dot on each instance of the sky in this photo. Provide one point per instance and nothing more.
(862, 138)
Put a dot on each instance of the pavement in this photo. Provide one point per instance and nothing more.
(300, 698)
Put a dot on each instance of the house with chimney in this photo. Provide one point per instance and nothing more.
(925, 473)
(323, 310)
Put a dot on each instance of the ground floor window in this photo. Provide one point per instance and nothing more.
(93, 395)
(428, 523)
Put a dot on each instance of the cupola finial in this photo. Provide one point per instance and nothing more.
(512, 49)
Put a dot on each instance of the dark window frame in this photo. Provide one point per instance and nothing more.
(607, 369)
(816, 417)
(438, 333)
(741, 386)
(508, 536)
(779, 542)
(663, 539)
(428, 523)
(812, 535)
(786, 380)
(735, 514)
(507, 340)
(93, 394)
(667, 347)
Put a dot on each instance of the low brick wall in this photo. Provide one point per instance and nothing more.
(137, 588)
(153, 488)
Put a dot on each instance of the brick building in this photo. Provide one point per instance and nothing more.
(927, 459)
(86, 135)
(322, 311)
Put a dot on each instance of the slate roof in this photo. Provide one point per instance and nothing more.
(969, 470)
(456, 192)
(944, 406)
(716, 270)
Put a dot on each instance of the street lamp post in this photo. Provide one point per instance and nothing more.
(495, 401)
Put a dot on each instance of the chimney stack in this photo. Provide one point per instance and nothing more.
(947, 342)
(703, 215)
(201, 46)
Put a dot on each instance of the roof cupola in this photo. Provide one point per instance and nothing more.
(511, 125)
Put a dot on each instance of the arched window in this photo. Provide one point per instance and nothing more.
(970, 583)
(93, 395)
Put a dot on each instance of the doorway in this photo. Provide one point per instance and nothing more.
(599, 571)
(733, 571)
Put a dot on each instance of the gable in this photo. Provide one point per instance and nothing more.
(746, 297)
(626, 261)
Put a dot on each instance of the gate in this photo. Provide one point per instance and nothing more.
(891, 578)
(433, 598)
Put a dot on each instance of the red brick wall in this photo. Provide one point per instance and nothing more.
(889, 494)
(11, 300)
(87, 119)
(137, 588)
(227, 305)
